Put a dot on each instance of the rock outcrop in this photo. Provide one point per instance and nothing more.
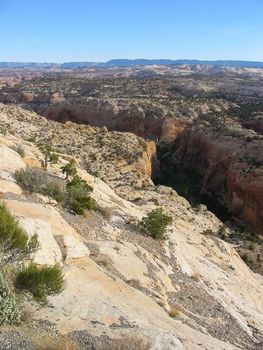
(119, 280)
(104, 113)
(117, 158)
(231, 167)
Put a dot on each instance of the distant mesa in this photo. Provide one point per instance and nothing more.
(128, 63)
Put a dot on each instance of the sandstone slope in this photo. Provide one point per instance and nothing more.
(119, 280)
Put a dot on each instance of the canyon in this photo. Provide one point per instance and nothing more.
(125, 133)
(202, 135)
(227, 173)
(121, 282)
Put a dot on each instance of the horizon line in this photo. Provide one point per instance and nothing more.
(135, 59)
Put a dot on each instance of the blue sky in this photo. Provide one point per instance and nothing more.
(85, 30)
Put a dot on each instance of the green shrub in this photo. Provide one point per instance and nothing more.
(41, 282)
(33, 244)
(9, 310)
(69, 169)
(36, 180)
(10, 230)
(79, 197)
(50, 155)
(244, 235)
(155, 223)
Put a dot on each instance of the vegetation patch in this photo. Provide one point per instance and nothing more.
(246, 235)
(54, 343)
(126, 342)
(246, 111)
(175, 311)
(155, 223)
(9, 309)
(3, 130)
(74, 194)
(38, 181)
(78, 196)
(10, 231)
(50, 155)
(208, 232)
(69, 169)
(41, 281)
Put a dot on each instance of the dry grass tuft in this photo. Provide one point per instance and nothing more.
(175, 311)
(135, 283)
(107, 212)
(127, 342)
(58, 343)
(196, 276)
(103, 260)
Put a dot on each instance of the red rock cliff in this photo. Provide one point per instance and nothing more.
(148, 163)
(232, 171)
(106, 114)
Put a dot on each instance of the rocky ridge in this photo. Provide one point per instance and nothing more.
(117, 158)
(131, 105)
(120, 281)
(230, 159)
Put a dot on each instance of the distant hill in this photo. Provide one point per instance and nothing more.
(128, 63)
(142, 62)
(28, 65)
(71, 65)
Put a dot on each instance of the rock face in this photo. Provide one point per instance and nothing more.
(135, 105)
(232, 170)
(132, 119)
(256, 125)
(100, 151)
(149, 164)
(119, 280)
(103, 113)
(172, 128)
(143, 122)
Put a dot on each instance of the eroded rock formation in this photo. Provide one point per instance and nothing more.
(231, 167)
(119, 280)
(104, 113)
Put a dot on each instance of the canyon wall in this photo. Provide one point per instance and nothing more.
(132, 281)
(133, 119)
(229, 174)
(148, 163)
(225, 162)
(148, 121)
(172, 128)
(256, 125)
(95, 112)
(106, 114)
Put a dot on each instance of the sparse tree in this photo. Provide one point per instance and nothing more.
(69, 169)
(79, 197)
(50, 155)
